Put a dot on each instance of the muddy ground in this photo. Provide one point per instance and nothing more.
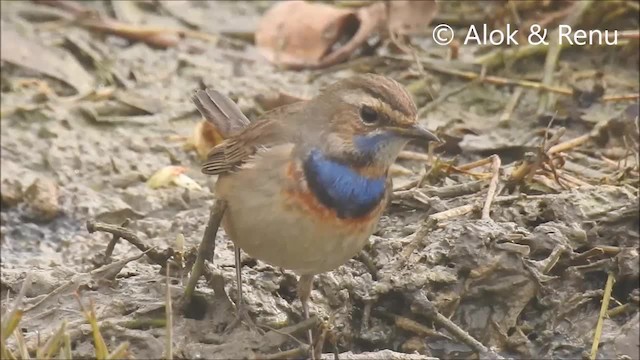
(88, 118)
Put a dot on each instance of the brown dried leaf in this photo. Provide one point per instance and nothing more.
(315, 42)
(53, 62)
(285, 38)
(411, 17)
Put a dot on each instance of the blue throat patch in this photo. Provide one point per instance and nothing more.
(341, 188)
(370, 144)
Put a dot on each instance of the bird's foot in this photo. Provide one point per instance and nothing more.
(243, 317)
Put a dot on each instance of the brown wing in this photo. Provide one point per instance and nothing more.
(244, 141)
(232, 152)
(221, 111)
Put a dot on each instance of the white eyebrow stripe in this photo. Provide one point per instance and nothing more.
(358, 98)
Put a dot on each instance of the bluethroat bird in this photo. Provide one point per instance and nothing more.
(306, 184)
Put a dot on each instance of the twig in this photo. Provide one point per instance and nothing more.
(497, 80)
(446, 192)
(112, 244)
(619, 310)
(474, 164)
(493, 185)
(206, 248)
(513, 102)
(109, 272)
(603, 312)
(545, 101)
(577, 9)
(490, 79)
(451, 213)
(425, 307)
(276, 337)
(159, 258)
(368, 262)
(464, 209)
(623, 97)
(407, 324)
(168, 352)
(412, 155)
(569, 144)
(433, 104)
(319, 344)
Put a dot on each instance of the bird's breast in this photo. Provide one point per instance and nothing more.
(335, 191)
(274, 214)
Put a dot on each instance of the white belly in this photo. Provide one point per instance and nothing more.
(293, 242)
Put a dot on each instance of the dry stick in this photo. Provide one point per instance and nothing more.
(499, 57)
(551, 61)
(206, 248)
(319, 344)
(493, 185)
(426, 307)
(407, 324)
(511, 105)
(474, 164)
(412, 155)
(545, 101)
(574, 180)
(497, 80)
(169, 323)
(112, 244)
(624, 97)
(464, 209)
(603, 312)
(619, 310)
(433, 104)
(445, 192)
(433, 219)
(569, 144)
(159, 258)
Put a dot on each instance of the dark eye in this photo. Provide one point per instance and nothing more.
(368, 115)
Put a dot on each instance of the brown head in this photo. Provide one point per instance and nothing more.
(367, 118)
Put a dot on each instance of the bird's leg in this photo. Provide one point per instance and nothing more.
(305, 284)
(239, 302)
(242, 314)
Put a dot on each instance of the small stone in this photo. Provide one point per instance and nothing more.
(11, 192)
(42, 199)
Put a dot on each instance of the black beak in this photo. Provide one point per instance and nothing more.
(416, 132)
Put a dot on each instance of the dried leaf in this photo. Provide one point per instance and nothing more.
(165, 176)
(182, 180)
(329, 35)
(283, 39)
(53, 62)
(172, 175)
